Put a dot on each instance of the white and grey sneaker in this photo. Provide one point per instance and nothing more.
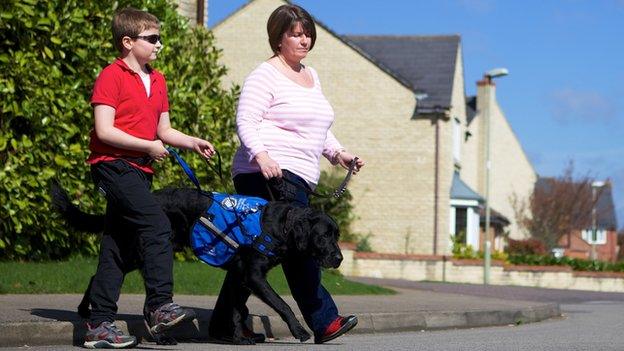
(107, 336)
(167, 316)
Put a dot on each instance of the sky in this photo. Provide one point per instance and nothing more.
(563, 94)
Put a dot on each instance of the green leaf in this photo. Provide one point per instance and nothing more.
(48, 52)
(61, 161)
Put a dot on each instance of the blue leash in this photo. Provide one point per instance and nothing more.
(187, 169)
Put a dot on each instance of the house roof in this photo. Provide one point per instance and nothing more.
(427, 63)
(605, 208)
(496, 218)
(405, 82)
(461, 191)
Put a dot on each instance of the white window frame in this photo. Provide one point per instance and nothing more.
(472, 220)
(601, 236)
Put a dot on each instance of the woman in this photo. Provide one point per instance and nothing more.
(283, 123)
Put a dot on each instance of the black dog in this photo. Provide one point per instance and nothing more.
(298, 230)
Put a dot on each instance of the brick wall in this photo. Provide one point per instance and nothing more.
(576, 247)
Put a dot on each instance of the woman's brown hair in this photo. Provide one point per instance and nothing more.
(283, 19)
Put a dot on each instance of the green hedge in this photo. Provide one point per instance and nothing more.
(576, 263)
(52, 51)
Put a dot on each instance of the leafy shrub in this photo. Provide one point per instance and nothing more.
(466, 251)
(534, 260)
(575, 263)
(526, 247)
(340, 209)
(363, 243)
(52, 51)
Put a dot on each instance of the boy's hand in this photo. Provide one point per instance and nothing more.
(203, 148)
(157, 150)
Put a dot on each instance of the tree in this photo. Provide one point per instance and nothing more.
(620, 242)
(51, 54)
(556, 207)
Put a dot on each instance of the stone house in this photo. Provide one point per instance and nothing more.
(195, 10)
(404, 113)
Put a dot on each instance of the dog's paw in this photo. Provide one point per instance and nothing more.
(300, 333)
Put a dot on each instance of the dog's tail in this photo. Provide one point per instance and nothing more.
(77, 219)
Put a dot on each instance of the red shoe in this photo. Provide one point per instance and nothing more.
(336, 328)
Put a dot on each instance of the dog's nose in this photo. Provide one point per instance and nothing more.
(336, 260)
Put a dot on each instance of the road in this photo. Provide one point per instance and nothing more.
(591, 321)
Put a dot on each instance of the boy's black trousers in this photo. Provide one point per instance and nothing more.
(137, 234)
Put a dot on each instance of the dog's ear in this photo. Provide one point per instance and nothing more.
(300, 227)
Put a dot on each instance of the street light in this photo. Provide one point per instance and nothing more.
(594, 230)
(489, 76)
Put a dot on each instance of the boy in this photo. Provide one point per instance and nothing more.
(131, 126)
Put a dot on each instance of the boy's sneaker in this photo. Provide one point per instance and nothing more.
(339, 326)
(107, 336)
(167, 316)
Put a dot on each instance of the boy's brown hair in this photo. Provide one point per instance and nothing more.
(130, 22)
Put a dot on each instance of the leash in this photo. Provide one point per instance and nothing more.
(191, 175)
(336, 193)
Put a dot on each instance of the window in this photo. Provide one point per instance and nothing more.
(460, 225)
(601, 236)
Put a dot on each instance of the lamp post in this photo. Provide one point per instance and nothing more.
(489, 76)
(594, 230)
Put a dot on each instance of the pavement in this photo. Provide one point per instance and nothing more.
(52, 319)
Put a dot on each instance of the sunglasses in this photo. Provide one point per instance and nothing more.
(152, 39)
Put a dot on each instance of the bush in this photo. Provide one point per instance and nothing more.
(340, 209)
(52, 51)
(466, 251)
(575, 263)
(526, 247)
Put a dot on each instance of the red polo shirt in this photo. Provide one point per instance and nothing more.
(137, 114)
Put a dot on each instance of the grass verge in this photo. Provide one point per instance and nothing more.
(191, 278)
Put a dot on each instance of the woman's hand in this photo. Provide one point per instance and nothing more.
(344, 159)
(268, 166)
(203, 147)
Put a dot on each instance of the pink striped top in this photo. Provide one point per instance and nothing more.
(289, 121)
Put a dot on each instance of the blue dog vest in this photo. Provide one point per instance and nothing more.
(229, 222)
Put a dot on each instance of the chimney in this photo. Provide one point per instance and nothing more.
(486, 94)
